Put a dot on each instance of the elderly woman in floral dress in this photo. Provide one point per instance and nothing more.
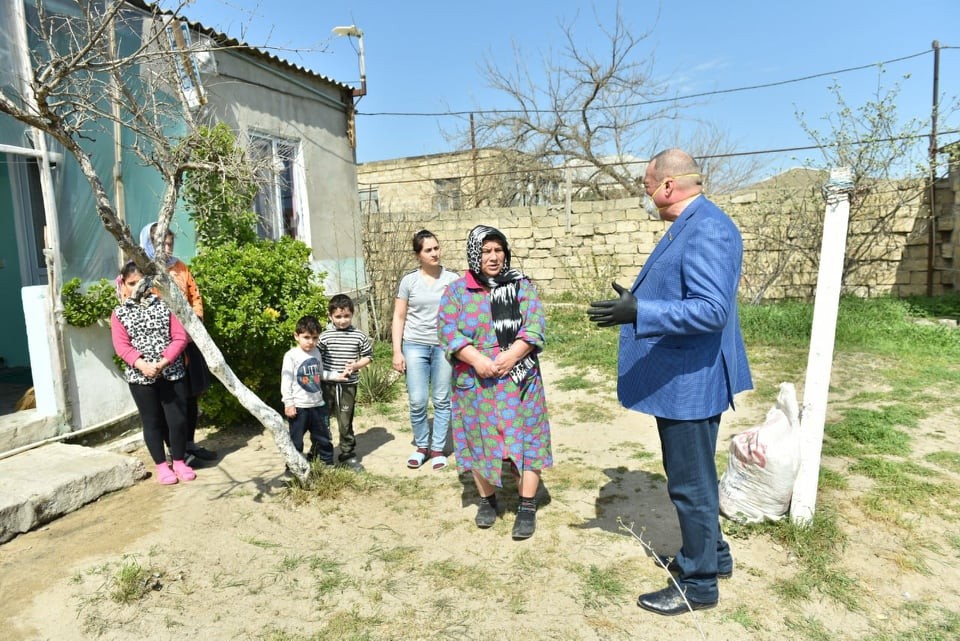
(492, 327)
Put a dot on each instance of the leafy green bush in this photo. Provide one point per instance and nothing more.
(84, 309)
(220, 202)
(253, 295)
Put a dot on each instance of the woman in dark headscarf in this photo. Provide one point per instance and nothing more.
(492, 327)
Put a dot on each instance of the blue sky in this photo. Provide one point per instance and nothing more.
(424, 57)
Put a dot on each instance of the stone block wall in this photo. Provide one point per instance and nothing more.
(578, 253)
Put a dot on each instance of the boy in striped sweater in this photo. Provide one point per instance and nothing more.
(346, 349)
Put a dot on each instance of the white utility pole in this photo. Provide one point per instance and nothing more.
(820, 359)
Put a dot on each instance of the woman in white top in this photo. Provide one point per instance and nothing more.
(417, 352)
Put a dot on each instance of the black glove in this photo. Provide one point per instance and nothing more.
(619, 311)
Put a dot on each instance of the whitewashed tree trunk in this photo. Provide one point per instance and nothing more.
(820, 358)
(263, 413)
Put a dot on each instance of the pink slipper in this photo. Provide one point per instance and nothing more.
(183, 471)
(165, 476)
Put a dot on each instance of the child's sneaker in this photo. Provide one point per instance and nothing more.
(183, 471)
(165, 476)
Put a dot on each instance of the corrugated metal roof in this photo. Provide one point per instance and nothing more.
(223, 40)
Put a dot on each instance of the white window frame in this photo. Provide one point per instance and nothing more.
(285, 157)
(29, 217)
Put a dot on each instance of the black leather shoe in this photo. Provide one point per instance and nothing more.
(351, 464)
(669, 602)
(674, 568)
(202, 453)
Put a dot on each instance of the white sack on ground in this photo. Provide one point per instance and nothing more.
(763, 464)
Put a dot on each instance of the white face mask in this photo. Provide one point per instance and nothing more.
(651, 208)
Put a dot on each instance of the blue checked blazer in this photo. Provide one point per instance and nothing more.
(684, 357)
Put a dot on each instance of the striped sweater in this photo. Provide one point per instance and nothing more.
(341, 346)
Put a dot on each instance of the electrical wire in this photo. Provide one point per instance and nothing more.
(437, 161)
(625, 163)
(703, 94)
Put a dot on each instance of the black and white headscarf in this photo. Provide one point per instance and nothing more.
(504, 306)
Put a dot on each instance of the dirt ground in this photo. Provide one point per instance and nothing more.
(230, 556)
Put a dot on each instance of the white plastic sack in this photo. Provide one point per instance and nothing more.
(763, 464)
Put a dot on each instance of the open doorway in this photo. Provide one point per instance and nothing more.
(22, 264)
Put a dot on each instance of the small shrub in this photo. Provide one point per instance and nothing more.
(84, 309)
(377, 384)
(131, 582)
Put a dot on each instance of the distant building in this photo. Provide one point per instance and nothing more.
(454, 181)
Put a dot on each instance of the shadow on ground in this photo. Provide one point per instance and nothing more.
(638, 500)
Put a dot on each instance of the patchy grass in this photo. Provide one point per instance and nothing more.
(436, 576)
(902, 484)
(947, 460)
(810, 628)
(328, 483)
(929, 624)
(744, 617)
(872, 431)
(601, 586)
(574, 382)
(131, 581)
(573, 341)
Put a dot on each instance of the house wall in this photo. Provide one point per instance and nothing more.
(407, 184)
(252, 97)
(105, 398)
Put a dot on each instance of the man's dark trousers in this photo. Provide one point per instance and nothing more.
(688, 449)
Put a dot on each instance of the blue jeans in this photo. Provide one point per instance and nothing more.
(316, 421)
(688, 449)
(428, 371)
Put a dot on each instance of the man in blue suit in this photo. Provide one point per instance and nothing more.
(682, 360)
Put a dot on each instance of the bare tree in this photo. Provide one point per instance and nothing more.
(888, 165)
(724, 171)
(81, 83)
(778, 233)
(388, 255)
(886, 157)
(599, 114)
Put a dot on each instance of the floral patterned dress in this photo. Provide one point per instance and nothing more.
(494, 418)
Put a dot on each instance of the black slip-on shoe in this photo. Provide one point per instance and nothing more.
(669, 602)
